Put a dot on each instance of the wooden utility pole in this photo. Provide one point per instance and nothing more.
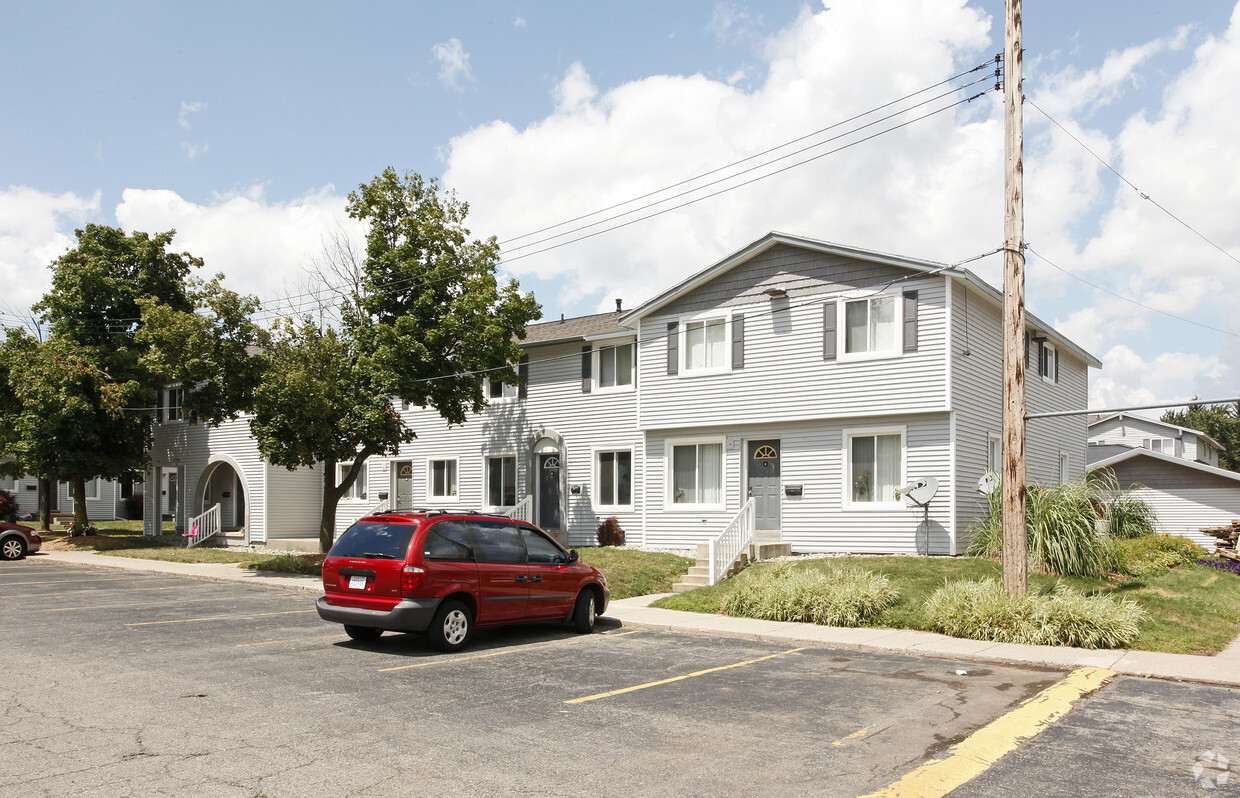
(1015, 554)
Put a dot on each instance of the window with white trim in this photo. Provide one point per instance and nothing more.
(613, 483)
(358, 489)
(92, 489)
(501, 473)
(696, 473)
(706, 345)
(994, 454)
(176, 398)
(8, 483)
(875, 466)
(441, 479)
(871, 326)
(1164, 445)
(500, 391)
(1063, 467)
(615, 366)
(1048, 361)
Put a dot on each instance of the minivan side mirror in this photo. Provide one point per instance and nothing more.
(572, 555)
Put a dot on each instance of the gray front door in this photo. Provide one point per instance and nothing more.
(404, 485)
(549, 492)
(764, 487)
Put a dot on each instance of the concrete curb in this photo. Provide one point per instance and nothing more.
(635, 613)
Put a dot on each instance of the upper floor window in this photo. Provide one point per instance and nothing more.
(170, 402)
(497, 390)
(994, 454)
(870, 326)
(1048, 361)
(615, 366)
(358, 489)
(1164, 445)
(705, 346)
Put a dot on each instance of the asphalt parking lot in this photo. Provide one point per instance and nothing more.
(143, 684)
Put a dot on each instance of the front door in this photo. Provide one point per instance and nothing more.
(549, 492)
(404, 485)
(764, 487)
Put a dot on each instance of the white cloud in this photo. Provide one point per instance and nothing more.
(519, 22)
(933, 189)
(730, 22)
(453, 63)
(186, 110)
(1129, 380)
(33, 227)
(263, 247)
(193, 151)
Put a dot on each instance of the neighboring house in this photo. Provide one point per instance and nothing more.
(816, 378)
(105, 498)
(1174, 469)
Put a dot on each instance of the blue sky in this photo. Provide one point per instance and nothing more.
(244, 125)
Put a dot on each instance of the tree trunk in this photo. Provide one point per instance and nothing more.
(79, 503)
(45, 504)
(331, 497)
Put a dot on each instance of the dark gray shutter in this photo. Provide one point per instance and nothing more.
(910, 321)
(828, 331)
(523, 376)
(1056, 366)
(673, 333)
(159, 405)
(1028, 354)
(738, 341)
(585, 368)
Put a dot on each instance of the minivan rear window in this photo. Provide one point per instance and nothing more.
(374, 541)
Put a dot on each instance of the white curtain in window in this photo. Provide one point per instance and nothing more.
(624, 365)
(887, 468)
(710, 473)
(882, 324)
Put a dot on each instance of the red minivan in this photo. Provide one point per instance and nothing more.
(444, 572)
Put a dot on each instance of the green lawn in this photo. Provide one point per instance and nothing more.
(631, 572)
(1192, 609)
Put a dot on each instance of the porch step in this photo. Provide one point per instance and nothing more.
(699, 574)
(222, 540)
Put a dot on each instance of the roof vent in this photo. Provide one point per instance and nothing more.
(618, 301)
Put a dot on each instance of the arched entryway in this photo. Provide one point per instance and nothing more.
(549, 478)
(221, 483)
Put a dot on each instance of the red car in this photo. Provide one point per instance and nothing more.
(444, 572)
(16, 541)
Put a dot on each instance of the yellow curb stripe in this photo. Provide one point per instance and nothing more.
(637, 687)
(221, 618)
(986, 746)
(498, 653)
(853, 736)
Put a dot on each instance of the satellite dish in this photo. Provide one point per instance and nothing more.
(920, 492)
(989, 483)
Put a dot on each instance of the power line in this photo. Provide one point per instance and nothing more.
(1129, 183)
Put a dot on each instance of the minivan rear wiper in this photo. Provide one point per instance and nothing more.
(374, 555)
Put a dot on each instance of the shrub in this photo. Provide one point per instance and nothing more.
(1154, 553)
(982, 610)
(610, 533)
(834, 596)
(1062, 529)
(288, 564)
(133, 507)
(8, 506)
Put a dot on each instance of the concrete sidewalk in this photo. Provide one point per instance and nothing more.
(1221, 669)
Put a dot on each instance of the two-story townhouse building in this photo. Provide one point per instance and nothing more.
(818, 379)
(1174, 469)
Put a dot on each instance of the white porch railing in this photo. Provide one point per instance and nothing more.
(381, 507)
(203, 526)
(522, 511)
(727, 548)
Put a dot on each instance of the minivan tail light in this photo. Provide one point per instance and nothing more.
(410, 577)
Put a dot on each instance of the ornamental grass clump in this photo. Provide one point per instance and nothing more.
(983, 610)
(1062, 524)
(833, 595)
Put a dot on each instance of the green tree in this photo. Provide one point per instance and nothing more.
(425, 321)
(76, 399)
(1220, 422)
